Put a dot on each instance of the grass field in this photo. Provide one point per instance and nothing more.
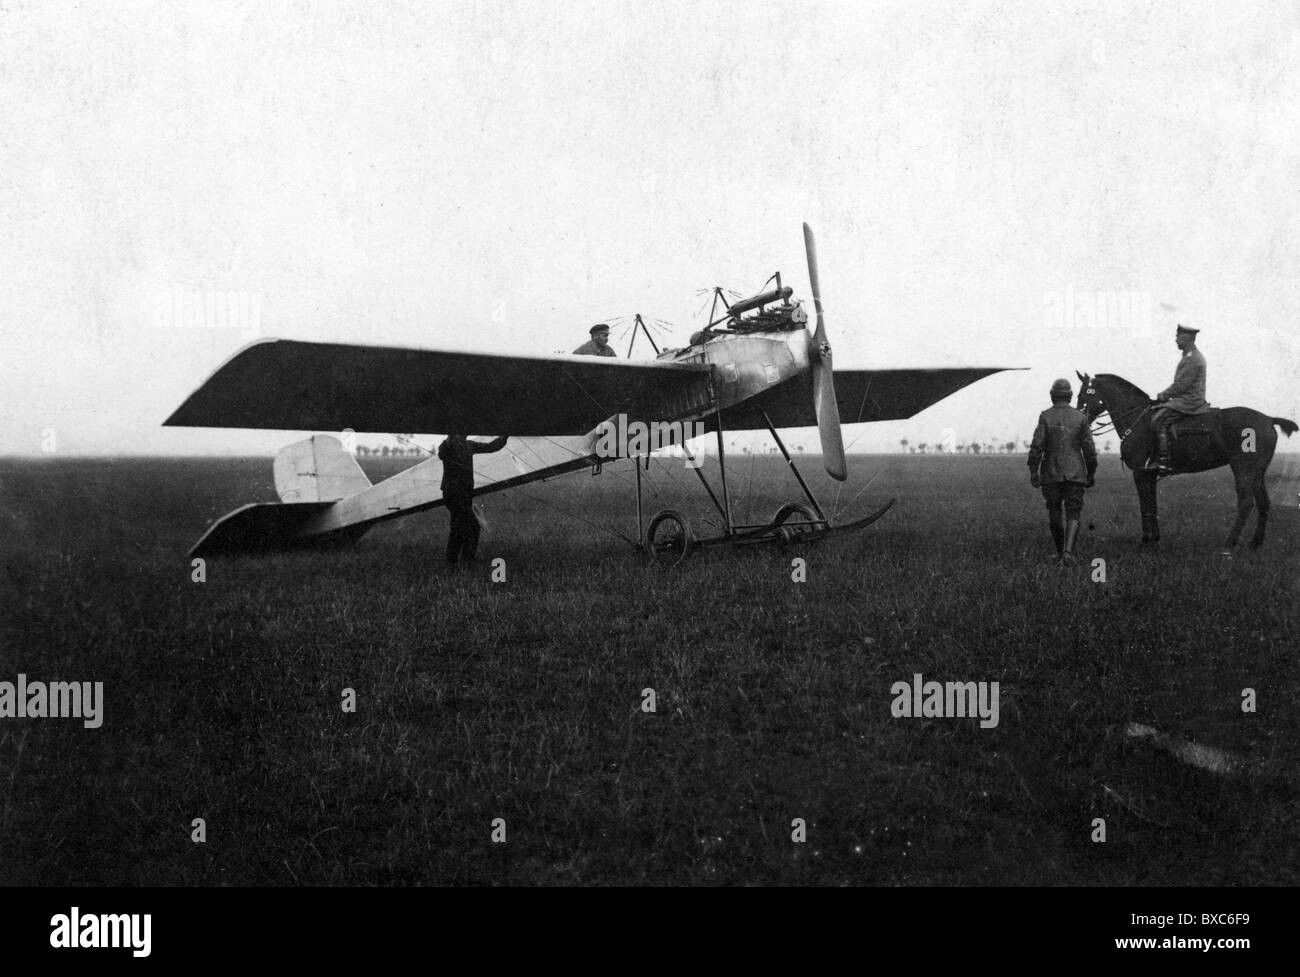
(522, 700)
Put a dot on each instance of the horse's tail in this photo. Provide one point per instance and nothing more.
(1288, 427)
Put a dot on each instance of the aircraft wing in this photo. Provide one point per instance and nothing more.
(281, 384)
(862, 395)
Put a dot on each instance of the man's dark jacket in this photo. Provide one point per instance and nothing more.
(457, 456)
(1062, 449)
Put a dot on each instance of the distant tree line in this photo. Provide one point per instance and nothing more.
(384, 451)
(994, 447)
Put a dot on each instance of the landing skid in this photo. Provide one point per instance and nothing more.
(669, 539)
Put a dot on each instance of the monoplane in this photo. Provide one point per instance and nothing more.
(757, 365)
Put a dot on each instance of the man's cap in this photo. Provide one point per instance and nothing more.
(1187, 329)
(1061, 388)
(598, 327)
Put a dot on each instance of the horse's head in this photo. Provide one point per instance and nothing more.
(1090, 401)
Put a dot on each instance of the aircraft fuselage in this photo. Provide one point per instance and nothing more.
(748, 364)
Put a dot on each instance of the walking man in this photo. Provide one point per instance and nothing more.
(457, 453)
(1063, 462)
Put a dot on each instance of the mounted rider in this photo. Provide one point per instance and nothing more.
(1186, 395)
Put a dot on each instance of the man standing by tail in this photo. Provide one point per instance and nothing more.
(457, 454)
(1063, 462)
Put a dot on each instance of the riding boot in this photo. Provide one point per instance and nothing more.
(1162, 450)
(1071, 533)
(1058, 537)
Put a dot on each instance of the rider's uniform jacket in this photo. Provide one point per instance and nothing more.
(1062, 449)
(1187, 393)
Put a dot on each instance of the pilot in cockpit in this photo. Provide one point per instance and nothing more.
(598, 345)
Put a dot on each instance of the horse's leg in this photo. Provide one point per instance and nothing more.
(1261, 509)
(1142, 507)
(1145, 484)
(1244, 478)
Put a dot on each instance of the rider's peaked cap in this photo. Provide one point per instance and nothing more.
(1061, 388)
(1187, 329)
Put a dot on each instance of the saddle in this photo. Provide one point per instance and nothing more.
(1193, 439)
(1201, 425)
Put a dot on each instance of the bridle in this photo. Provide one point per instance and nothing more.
(1105, 427)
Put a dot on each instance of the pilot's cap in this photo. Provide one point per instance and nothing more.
(1187, 330)
(1061, 388)
(598, 327)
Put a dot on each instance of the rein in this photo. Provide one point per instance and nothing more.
(1114, 423)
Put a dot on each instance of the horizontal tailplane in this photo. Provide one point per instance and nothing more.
(268, 526)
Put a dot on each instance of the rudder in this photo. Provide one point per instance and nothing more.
(317, 470)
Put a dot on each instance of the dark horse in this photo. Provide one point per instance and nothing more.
(1235, 436)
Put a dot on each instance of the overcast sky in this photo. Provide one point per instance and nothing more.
(498, 177)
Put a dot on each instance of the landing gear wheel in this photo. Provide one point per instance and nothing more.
(795, 519)
(669, 539)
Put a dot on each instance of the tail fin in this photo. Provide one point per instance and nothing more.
(317, 470)
(1288, 427)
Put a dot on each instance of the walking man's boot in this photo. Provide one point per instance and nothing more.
(1071, 533)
